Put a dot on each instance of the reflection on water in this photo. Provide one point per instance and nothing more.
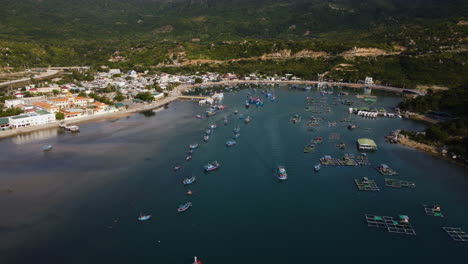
(35, 136)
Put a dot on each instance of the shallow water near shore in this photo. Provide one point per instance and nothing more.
(79, 203)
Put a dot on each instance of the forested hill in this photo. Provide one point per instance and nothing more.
(210, 19)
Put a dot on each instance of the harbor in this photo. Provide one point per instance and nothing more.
(97, 184)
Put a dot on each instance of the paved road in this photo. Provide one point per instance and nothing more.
(36, 76)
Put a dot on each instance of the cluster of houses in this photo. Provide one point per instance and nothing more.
(41, 104)
(42, 109)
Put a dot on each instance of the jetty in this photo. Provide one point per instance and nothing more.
(192, 97)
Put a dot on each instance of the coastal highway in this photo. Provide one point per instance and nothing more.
(39, 76)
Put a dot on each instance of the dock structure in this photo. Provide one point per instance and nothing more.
(366, 185)
(456, 233)
(431, 211)
(398, 184)
(192, 97)
(389, 223)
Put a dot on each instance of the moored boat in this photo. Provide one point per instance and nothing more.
(236, 135)
(196, 261)
(236, 130)
(248, 119)
(317, 167)
(144, 217)
(193, 146)
(230, 143)
(178, 167)
(206, 138)
(188, 181)
(212, 166)
(189, 157)
(199, 116)
(236, 112)
(281, 173)
(213, 126)
(184, 207)
(309, 148)
(47, 148)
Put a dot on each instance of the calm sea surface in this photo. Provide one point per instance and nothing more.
(79, 203)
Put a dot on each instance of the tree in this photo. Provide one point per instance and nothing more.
(198, 80)
(119, 97)
(56, 92)
(147, 96)
(59, 116)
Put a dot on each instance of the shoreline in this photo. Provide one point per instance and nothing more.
(173, 96)
(428, 149)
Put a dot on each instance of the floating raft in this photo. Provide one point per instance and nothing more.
(334, 136)
(431, 212)
(398, 184)
(390, 224)
(456, 234)
(369, 185)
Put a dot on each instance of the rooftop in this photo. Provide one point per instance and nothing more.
(366, 141)
(4, 120)
(42, 112)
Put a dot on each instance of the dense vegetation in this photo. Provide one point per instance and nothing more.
(452, 132)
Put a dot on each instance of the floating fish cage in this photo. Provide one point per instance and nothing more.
(366, 185)
(398, 184)
(430, 211)
(389, 223)
(456, 233)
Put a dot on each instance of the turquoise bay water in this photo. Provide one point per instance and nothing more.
(79, 202)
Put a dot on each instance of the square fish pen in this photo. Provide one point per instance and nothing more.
(368, 185)
(398, 184)
(430, 211)
(390, 224)
(456, 233)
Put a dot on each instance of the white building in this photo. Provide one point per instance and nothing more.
(158, 96)
(114, 71)
(13, 102)
(37, 118)
(369, 80)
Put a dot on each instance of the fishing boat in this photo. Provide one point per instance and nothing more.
(178, 167)
(193, 146)
(236, 130)
(281, 173)
(212, 166)
(341, 145)
(184, 207)
(317, 167)
(230, 143)
(189, 157)
(188, 181)
(205, 138)
(47, 148)
(309, 148)
(248, 119)
(144, 217)
(236, 135)
(296, 119)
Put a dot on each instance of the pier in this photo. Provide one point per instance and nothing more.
(192, 97)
